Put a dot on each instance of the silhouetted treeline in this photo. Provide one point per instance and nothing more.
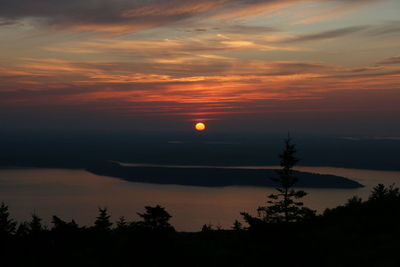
(359, 233)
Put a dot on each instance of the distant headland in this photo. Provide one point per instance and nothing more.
(214, 176)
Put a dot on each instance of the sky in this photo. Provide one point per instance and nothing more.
(321, 66)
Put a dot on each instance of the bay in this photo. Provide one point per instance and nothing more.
(77, 194)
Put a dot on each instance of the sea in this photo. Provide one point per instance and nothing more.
(77, 194)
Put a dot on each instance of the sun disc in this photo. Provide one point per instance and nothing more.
(200, 126)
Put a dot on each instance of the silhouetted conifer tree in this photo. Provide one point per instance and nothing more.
(284, 206)
(35, 225)
(103, 220)
(22, 229)
(380, 192)
(156, 218)
(7, 225)
(122, 223)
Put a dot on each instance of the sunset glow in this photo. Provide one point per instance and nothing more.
(131, 60)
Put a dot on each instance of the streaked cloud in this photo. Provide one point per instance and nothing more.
(331, 34)
(388, 28)
(133, 15)
(390, 60)
(121, 15)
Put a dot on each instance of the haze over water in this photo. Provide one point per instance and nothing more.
(76, 194)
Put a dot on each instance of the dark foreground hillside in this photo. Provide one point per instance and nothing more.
(360, 233)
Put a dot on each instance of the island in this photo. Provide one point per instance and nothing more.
(214, 176)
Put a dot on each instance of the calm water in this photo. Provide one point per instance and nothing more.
(77, 194)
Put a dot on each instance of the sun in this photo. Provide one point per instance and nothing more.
(200, 126)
